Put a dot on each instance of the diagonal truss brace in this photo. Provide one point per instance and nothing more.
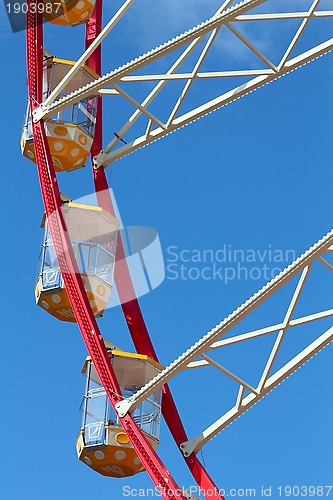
(213, 340)
(242, 405)
(49, 107)
(257, 78)
(263, 77)
(157, 127)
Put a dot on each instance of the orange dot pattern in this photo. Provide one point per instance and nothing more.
(56, 302)
(70, 146)
(114, 458)
(70, 12)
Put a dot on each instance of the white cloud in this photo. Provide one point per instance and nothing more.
(152, 22)
(149, 23)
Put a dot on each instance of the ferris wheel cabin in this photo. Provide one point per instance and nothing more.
(102, 443)
(93, 234)
(68, 12)
(70, 132)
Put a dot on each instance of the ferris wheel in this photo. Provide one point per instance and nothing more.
(83, 255)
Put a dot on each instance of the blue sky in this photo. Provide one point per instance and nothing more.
(254, 175)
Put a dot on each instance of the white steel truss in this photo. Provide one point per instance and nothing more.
(200, 353)
(195, 46)
(198, 43)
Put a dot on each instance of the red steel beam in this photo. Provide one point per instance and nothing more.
(131, 308)
(68, 266)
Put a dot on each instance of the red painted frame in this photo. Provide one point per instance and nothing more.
(71, 276)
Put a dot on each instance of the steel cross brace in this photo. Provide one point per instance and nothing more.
(50, 106)
(154, 127)
(212, 341)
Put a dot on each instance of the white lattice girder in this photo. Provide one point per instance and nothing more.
(214, 340)
(243, 404)
(112, 84)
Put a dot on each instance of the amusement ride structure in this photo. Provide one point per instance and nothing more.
(83, 255)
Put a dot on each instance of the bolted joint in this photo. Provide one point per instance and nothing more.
(96, 166)
(98, 161)
(184, 450)
(189, 447)
(123, 407)
(38, 114)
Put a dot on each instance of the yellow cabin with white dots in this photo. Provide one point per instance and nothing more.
(102, 443)
(70, 132)
(93, 234)
(68, 12)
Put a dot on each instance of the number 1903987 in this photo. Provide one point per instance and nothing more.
(41, 8)
(304, 491)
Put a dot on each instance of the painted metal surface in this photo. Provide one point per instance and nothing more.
(72, 279)
(131, 309)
